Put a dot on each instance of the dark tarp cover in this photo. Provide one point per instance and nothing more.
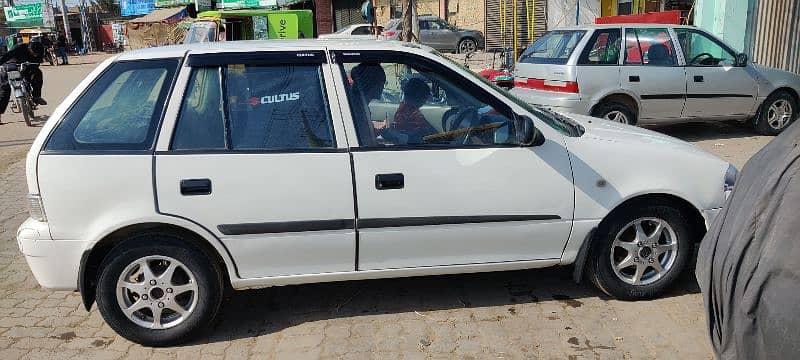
(749, 262)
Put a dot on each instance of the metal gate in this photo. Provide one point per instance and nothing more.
(773, 36)
(530, 19)
(346, 12)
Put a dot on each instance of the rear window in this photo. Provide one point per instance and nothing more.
(555, 47)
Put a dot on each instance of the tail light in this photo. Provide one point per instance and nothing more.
(389, 33)
(548, 85)
(35, 208)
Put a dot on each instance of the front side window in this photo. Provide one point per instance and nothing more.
(361, 30)
(701, 50)
(260, 107)
(406, 103)
(649, 46)
(602, 49)
(120, 111)
(555, 47)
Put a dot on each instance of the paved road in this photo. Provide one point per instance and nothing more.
(516, 315)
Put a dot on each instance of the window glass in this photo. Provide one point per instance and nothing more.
(120, 111)
(361, 30)
(603, 48)
(405, 104)
(701, 50)
(277, 107)
(649, 46)
(201, 124)
(555, 47)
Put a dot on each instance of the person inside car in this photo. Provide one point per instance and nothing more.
(367, 85)
(408, 119)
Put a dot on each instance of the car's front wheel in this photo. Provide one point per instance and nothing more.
(467, 46)
(777, 113)
(159, 290)
(640, 251)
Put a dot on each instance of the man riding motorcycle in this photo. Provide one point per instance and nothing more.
(32, 52)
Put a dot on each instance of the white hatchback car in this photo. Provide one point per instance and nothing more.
(650, 74)
(172, 173)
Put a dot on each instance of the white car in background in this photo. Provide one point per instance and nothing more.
(355, 31)
(172, 173)
(647, 74)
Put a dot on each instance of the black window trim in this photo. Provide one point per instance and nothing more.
(641, 54)
(159, 121)
(381, 56)
(707, 36)
(586, 49)
(334, 148)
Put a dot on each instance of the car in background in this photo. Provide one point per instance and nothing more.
(355, 31)
(654, 74)
(440, 35)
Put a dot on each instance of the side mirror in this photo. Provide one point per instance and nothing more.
(527, 134)
(741, 60)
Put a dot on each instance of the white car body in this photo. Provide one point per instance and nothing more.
(569, 184)
(354, 32)
(657, 94)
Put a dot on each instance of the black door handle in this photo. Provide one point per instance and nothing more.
(633, 78)
(698, 78)
(389, 181)
(190, 187)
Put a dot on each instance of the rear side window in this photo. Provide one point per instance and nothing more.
(119, 111)
(602, 49)
(555, 47)
(272, 107)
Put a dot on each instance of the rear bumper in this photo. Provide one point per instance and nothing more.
(54, 263)
(561, 102)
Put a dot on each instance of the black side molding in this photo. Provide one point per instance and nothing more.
(448, 220)
(287, 226)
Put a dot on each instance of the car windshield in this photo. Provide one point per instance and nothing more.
(555, 47)
(555, 121)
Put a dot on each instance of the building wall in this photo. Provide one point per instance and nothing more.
(323, 16)
(727, 19)
(468, 14)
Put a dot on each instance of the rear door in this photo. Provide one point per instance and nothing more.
(715, 88)
(256, 157)
(651, 70)
(598, 65)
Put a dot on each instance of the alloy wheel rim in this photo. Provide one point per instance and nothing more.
(468, 46)
(779, 114)
(644, 251)
(157, 292)
(616, 116)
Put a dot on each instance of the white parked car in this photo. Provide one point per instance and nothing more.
(654, 74)
(355, 31)
(171, 173)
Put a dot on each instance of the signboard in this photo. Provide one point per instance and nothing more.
(23, 16)
(200, 5)
(246, 4)
(48, 20)
(136, 7)
(282, 26)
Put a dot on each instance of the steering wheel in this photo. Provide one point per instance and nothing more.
(461, 114)
(699, 56)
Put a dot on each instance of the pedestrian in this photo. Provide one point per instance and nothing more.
(748, 266)
(61, 43)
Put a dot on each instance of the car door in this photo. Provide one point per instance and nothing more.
(651, 72)
(715, 87)
(427, 35)
(254, 154)
(427, 197)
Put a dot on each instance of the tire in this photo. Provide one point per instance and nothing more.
(201, 300)
(615, 111)
(27, 113)
(778, 112)
(604, 254)
(467, 46)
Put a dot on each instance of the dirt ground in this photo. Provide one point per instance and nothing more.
(518, 314)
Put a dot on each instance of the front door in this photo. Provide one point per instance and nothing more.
(254, 159)
(715, 88)
(452, 186)
(651, 71)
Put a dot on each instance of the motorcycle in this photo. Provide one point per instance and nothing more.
(22, 91)
(51, 57)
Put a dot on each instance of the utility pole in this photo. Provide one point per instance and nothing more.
(66, 21)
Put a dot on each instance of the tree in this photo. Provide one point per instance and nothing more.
(410, 22)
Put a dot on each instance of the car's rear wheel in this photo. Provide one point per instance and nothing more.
(640, 251)
(615, 111)
(467, 46)
(159, 290)
(777, 113)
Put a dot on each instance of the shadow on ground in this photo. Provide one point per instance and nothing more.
(257, 312)
(700, 131)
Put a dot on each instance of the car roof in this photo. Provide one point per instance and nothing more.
(173, 51)
(604, 26)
